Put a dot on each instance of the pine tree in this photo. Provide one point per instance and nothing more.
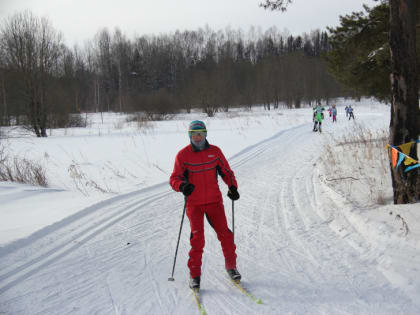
(405, 112)
(359, 56)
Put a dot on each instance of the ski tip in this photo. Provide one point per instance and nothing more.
(258, 301)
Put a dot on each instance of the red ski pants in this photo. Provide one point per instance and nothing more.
(215, 213)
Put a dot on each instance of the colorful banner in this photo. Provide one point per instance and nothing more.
(400, 153)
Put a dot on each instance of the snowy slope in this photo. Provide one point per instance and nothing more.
(302, 247)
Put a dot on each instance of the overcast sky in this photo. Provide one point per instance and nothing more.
(79, 20)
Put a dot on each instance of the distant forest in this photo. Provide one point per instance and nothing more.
(43, 82)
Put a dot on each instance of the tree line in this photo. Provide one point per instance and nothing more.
(44, 83)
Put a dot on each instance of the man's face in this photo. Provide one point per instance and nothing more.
(197, 136)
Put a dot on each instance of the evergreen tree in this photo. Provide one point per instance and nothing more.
(359, 56)
(405, 112)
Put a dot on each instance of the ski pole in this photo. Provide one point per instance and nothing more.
(233, 219)
(171, 278)
(233, 211)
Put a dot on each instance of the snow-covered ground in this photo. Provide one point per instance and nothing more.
(101, 239)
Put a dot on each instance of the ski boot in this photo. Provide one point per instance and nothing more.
(234, 274)
(195, 283)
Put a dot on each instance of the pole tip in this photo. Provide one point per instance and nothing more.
(171, 279)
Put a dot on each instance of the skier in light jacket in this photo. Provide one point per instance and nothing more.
(334, 113)
(195, 174)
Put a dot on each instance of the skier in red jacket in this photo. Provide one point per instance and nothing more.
(195, 174)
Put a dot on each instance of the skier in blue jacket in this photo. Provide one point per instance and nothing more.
(351, 114)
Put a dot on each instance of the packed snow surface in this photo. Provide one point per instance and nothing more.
(101, 239)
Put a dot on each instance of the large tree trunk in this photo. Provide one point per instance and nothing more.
(405, 113)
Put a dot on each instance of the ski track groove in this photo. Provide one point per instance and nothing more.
(38, 263)
(282, 228)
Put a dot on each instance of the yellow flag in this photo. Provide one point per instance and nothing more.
(405, 148)
(409, 160)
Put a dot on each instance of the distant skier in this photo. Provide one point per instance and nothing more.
(350, 111)
(347, 111)
(318, 116)
(195, 174)
(334, 113)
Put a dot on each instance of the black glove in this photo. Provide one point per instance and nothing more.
(233, 193)
(186, 189)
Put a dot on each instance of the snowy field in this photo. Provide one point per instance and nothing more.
(101, 238)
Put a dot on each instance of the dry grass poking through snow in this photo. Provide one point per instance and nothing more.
(15, 169)
(356, 165)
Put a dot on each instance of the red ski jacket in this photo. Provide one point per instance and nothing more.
(201, 168)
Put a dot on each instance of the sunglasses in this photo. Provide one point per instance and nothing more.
(201, 133)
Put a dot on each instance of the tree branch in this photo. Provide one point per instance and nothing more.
(340, 178)
(276, 5)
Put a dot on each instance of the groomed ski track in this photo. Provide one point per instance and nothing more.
(115, 257)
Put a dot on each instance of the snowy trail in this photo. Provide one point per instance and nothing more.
(115, 257)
